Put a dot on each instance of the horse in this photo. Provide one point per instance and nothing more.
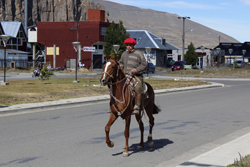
(122, 102)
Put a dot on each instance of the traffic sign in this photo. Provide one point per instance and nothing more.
(88, 49)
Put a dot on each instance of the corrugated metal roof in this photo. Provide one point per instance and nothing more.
(11, 27)
(147, 39)
(13, 51)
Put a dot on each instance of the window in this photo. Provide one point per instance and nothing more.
(100, 47)
(103, 30)
(19, 41)
(14, 41)
(179, 57)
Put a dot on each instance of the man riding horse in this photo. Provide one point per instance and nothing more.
(133, 62)
(118, 77)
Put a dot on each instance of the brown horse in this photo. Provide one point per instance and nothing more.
(122, 102)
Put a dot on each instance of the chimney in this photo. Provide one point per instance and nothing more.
(96, 15)
(163, 41)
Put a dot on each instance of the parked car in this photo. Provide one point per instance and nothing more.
(178, 65)
(150, 68)
(239, 63)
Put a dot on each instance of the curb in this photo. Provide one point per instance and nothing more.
(213, 85)
(92, 99)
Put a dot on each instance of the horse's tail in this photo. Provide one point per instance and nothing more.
(156, 109)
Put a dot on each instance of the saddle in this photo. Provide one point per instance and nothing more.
(133, 81)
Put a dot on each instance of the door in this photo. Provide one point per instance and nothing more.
(97, 61)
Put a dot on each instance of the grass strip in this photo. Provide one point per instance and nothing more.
(32, 91)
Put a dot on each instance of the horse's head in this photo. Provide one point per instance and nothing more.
(110, 70)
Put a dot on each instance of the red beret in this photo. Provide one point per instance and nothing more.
(130, 40)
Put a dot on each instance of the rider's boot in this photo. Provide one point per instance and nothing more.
(137, 103)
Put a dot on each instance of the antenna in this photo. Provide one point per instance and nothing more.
(75, 27)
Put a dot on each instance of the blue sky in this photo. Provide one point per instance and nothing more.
(231, 17)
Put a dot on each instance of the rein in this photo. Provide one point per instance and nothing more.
(122, 102)
(123, 89)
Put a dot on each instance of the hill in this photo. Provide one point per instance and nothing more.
(163, 24)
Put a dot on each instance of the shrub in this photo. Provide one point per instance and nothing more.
(45, 72)
(243, 162)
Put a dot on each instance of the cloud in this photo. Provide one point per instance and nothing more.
(246, 2)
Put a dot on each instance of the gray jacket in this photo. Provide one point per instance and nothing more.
(133, 60)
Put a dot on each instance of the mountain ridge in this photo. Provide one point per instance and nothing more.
(164, 24)
(159, 23)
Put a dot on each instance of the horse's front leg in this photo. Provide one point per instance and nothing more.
(112, 119)
(126, 134)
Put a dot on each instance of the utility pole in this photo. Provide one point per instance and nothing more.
(183, 35)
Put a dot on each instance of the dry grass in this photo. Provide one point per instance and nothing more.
(32, 91)
(213, 73)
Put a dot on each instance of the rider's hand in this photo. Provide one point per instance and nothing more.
(133, 71)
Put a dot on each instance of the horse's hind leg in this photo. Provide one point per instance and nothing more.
(112, 119)
(149, 110)
(141, 126)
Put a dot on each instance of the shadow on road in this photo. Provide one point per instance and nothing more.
(158, 144)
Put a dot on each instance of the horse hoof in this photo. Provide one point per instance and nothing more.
(151, 144)
(111, 144)
(125, 154)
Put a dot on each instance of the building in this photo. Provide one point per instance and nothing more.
(204, 57)
(229, 51)
(161, 51)
(55, 40)
(16, 48)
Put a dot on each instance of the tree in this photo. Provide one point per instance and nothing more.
(191, 56)
(45, 73)
(115, 35)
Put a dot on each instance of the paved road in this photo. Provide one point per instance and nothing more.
(74, 136)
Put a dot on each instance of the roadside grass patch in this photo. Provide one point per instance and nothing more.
(32, 91)
(212, 73)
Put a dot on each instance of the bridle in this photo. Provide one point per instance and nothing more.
(111, 75)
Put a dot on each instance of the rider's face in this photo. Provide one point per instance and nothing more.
(130, 47)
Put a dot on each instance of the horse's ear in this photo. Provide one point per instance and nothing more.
(107, 57)
(116, 57)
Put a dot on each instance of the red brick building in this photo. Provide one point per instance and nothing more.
(61, 34)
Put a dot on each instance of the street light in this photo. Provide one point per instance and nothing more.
(116, 48)
(230, 52)
(76, 46)
(183, 35)
(5, 39)
(148, 50)
(243, 51)
(202, 50)
(218, 61)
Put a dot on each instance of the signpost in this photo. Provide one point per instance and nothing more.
(88, 49)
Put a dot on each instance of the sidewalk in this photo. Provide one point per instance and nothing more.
(223, 151)
(219, 153)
